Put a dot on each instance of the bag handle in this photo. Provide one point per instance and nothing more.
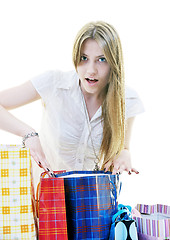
(37, 199)
(122, 209)
(38, 188)
(38, 194)
(113, 193)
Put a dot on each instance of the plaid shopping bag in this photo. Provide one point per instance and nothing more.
(154, 222)
(52, 209)
(91, 200)
(17, 215)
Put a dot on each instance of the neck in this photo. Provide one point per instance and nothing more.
(92, 97)
(92, 103)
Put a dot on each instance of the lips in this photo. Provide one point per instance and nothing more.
(91, 80)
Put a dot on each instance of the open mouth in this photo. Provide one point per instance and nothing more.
(91, 80)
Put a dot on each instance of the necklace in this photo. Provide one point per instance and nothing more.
(96, 161)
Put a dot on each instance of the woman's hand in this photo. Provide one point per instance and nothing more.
(11, 99)
(36, 151)
(121, 163)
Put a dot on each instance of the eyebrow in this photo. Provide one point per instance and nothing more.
(100, 56)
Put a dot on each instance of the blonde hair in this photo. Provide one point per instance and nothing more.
(113, 107)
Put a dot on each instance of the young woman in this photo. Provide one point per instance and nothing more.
(87, 113)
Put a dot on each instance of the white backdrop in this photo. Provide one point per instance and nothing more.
(37, 35)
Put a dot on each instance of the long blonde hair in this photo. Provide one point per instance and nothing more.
(113, 107)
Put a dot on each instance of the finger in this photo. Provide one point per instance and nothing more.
(121, 170)
(47, 168)
(128, 170)
(49, 172)
(40, 164)
(108, 165)
(135, 171)
(115, 170)
(36, 159)
(43, 164)
(118, 168)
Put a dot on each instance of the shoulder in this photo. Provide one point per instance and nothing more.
(65, 80)
(50, 82)
(133, 103)
(54, 79)
(130, 93)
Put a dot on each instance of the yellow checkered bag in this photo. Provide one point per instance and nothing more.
(17, 203)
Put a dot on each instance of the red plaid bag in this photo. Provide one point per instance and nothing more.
(52, 209)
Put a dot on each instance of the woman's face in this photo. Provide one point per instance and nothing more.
(93, 69)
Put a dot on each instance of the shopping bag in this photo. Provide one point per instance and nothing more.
(154, 222)
(17, 202)
(123, 226)
(52, 209)
(91, 200)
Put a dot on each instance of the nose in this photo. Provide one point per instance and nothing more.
(91, 68)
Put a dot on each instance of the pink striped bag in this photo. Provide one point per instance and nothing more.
(154, 222)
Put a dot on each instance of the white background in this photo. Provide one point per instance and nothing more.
(36, 36)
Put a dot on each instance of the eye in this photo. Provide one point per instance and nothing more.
(102, 59)
(83, 58)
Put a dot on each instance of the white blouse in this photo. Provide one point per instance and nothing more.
(65, 131)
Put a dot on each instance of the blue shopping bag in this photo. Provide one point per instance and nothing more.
(91, 201)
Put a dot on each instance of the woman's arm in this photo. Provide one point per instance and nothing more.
(123, 161)
(13, 98)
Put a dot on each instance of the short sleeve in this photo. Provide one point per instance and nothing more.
(133, 103)
(45, 84)
(48, 83)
